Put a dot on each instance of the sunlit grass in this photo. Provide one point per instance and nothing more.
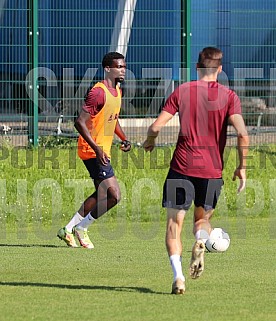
(128, 275)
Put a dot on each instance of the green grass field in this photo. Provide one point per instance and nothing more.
(128, 276)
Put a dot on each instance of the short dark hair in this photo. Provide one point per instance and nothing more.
(210, 57)
(109, 57)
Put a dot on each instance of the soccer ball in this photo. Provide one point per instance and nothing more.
(218, 241)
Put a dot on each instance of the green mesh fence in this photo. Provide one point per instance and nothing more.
(51, 53)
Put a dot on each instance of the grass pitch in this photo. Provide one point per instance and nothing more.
(129, 278)
(128, 275)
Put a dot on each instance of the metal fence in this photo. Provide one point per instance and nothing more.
(51, 52)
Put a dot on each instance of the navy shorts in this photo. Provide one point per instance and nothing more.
(180, 191)
(98, 171)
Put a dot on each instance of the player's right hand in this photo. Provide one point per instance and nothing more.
(101, 156)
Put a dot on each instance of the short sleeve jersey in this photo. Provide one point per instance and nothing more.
(203, 109)
(103, 104)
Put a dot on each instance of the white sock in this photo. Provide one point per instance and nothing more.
(202, 235)
(176, 263)
(86, 222)
(76, 219)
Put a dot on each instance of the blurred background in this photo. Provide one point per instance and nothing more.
(51, 53)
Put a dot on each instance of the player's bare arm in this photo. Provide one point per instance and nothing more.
(155, 128)
(81, 127)
(237, 122)
(125, 144)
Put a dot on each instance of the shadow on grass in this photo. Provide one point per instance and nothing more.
(50, 246)
(83, 287)
(31, 245)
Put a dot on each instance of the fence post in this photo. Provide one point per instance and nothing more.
(186, 38)
(33, 63)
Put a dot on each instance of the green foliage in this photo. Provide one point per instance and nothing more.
(258, 198)
(57, 142)
(48, 184)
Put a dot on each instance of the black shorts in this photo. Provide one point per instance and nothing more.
(98, 171)
(180, 191)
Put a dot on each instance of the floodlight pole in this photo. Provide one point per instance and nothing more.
(123, 25)
(33, 63)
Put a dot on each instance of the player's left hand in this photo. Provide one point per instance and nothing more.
(240, 173)
(125, 145)
(149, 144)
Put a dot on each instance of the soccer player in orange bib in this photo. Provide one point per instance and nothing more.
(97, 123)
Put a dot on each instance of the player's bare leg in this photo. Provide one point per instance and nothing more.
(175, 220)
(108, 195)
(202, 226)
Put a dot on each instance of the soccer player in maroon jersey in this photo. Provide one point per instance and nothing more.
(97, 123)
(205, 108)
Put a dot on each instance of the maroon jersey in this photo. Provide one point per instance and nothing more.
(203, 108)
(95, 100)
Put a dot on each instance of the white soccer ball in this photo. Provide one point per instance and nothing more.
(218, 241)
